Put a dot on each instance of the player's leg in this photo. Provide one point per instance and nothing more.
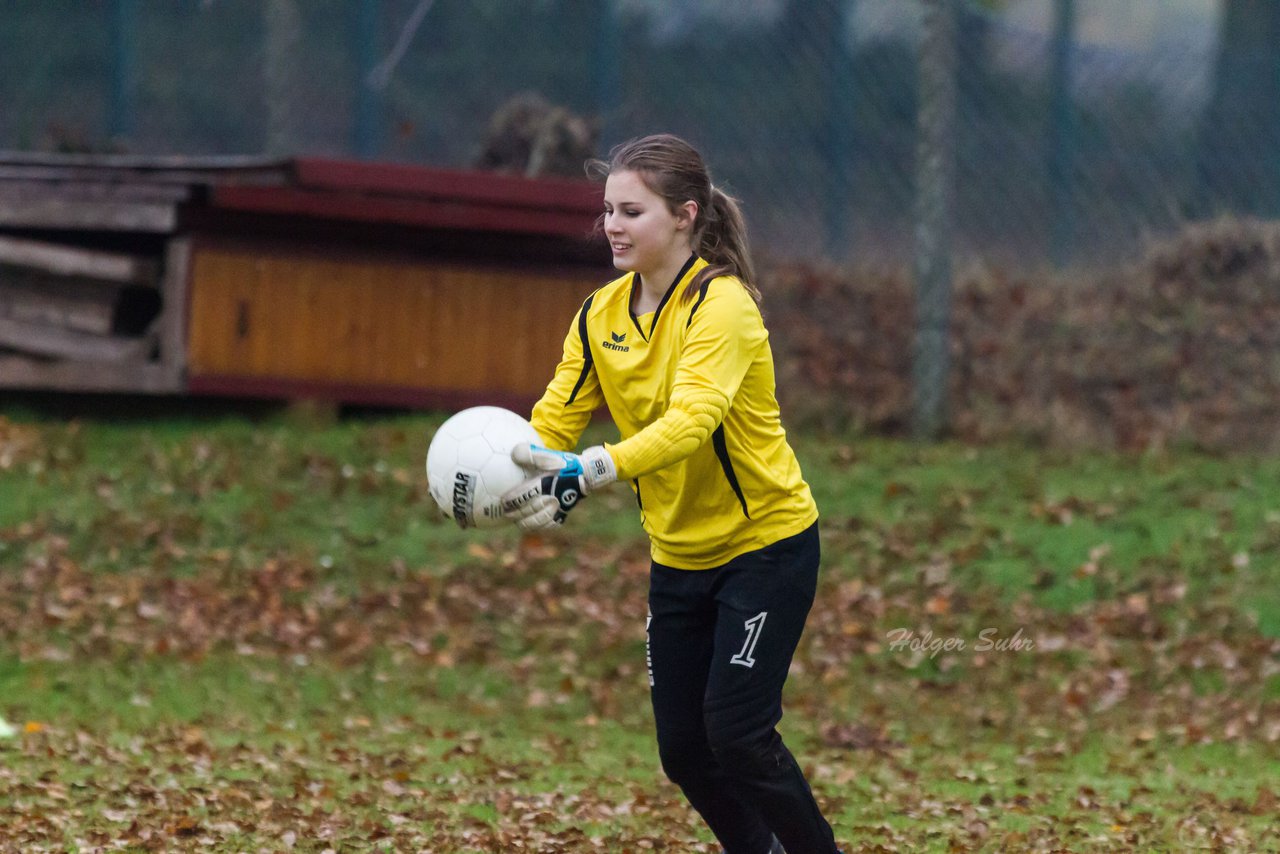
(681, 638)
(763, 601)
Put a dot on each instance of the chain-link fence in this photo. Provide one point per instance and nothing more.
(1082, 126)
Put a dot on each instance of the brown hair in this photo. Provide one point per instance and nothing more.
(674, 170)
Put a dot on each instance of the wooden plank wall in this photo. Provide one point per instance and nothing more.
(260, 313)
(79, 319)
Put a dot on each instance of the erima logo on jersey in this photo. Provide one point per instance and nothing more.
(616, 343)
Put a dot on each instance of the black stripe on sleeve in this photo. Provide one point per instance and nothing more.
(702, 294)
(587, 361)
(722, 451)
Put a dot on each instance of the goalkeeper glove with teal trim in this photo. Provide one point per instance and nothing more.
(560, 479)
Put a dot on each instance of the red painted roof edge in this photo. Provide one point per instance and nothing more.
(405, 180)
(441, 212)
(417, 397)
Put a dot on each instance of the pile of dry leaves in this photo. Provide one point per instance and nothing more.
(1181, 347)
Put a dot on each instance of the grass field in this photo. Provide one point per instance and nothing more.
(228, 634)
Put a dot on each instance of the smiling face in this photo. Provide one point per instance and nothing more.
(644, 234)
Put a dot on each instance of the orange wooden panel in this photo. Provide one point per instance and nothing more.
(374, 321)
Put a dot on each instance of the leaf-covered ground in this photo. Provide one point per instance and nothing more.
(219, 634)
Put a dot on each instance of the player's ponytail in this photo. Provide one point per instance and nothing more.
(674, 170)
(723, 243)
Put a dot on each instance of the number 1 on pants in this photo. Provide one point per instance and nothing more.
(753, 626)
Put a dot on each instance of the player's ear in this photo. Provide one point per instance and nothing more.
(687, 215)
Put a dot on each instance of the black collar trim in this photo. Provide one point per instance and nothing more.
(666, 297)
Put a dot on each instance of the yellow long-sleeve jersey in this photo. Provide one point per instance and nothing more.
(691, 389)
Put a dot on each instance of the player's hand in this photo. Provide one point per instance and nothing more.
(559, 479)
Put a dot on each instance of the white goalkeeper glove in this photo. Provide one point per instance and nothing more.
(559, 479)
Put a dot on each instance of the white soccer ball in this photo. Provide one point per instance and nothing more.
(469, 464)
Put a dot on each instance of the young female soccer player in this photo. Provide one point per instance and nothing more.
(677, 350)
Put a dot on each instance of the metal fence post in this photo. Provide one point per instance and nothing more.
(1061, 127)
(606, 73)
(123, 28)
(839, 130)
(367, 129)
(935, 176)
(282, 38)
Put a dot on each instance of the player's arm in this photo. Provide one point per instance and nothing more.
(559, 477)
(574, 392)
(725, 333)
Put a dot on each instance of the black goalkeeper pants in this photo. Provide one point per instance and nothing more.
(720, 644)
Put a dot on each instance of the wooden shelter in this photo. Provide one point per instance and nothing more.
(300, 278)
